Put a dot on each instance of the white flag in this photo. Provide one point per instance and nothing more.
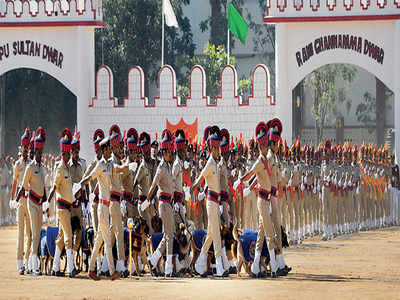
(170, 18)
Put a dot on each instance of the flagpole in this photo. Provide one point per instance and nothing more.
(162, 34)
(228, 39)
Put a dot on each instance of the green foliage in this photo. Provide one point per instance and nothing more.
(213, 60)
(133, 37)
(217, 22)
(322, 83)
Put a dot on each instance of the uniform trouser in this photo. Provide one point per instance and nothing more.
(23, 222)
(265, 226)
(77, 212)
(308, 211)
(364, 204)
(326, 205)
(117, 229)
(131, 211)
(225, 212)
(276, 218)
(297, 213)
(146, 215)
(103, 234)
(291, 211)
(65, 230)
(333, 209)
(250, 211)
(213, 229)
(35, 213)
(283, 203)
(95, 220)
(167, 216)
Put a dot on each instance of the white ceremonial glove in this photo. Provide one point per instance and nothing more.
(318, 187)
(145, 204)
(202, 196)
(390, 186)
(221, 210)
(186, 165)
(123, 207)
(184, 210)
(133, 166)
(290, 182)
(45, 206)
(345, 185)
(233, 172)
(335, 181)
(176, 207)
(270, 207)
(358, 190)
(236, 184)
(91, 197)
(386, 189)
(246, 192)
(302, 187)
(314, 190)
(187, 193)
(13, 204)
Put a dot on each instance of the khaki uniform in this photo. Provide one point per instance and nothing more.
(164, 180)
(143, 182)
(115, 209)
(326, 170)
(211, 174)
(77, 172)
(95, 202)
(130, 195)
(64, 199)
(225, 199)
(250, 204)
(103, 172)
(33, 182)
(178, 195)
(22, 213)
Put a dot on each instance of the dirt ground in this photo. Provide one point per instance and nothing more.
(360, 266)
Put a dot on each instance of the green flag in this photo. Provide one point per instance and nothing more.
(237, 25)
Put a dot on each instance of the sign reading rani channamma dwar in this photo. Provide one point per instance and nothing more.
(340, 41)
(34, 49)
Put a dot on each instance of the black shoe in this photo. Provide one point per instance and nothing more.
(125, 274)
(232, 270)
(287, 269)
(171, 275)
(273, 275)
(268, 273)
(281, 272)
(57, 274)
(226, 274)
(204, 275)
(262, 274)
(105, 274)
(254, 275)
(73, 273)
(21, 271)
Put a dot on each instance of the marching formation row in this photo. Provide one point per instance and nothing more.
(166, 198)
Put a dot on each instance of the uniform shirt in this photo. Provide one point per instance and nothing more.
(224, 175)
(103, 172)
(177, 170)
(127, 182)
(211, 175)
(326, 170)
(63, 183)
(263, 178)
(19, 170)
(92, 165)
(76, 171)
(34, 178)
(143, 178)
(296, 173)
(163, 178)
(116, 185)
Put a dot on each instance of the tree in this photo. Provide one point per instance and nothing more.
(213, 60)
(217, 22)
(133, 37)
(322, 83)
(263, 39)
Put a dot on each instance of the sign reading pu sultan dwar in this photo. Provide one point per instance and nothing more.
(340, 41)
(32, 48)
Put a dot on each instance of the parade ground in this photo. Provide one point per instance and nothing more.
(359, 266)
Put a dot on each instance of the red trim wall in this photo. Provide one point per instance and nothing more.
(53, 24)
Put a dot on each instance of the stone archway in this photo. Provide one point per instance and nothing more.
(313, 33)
